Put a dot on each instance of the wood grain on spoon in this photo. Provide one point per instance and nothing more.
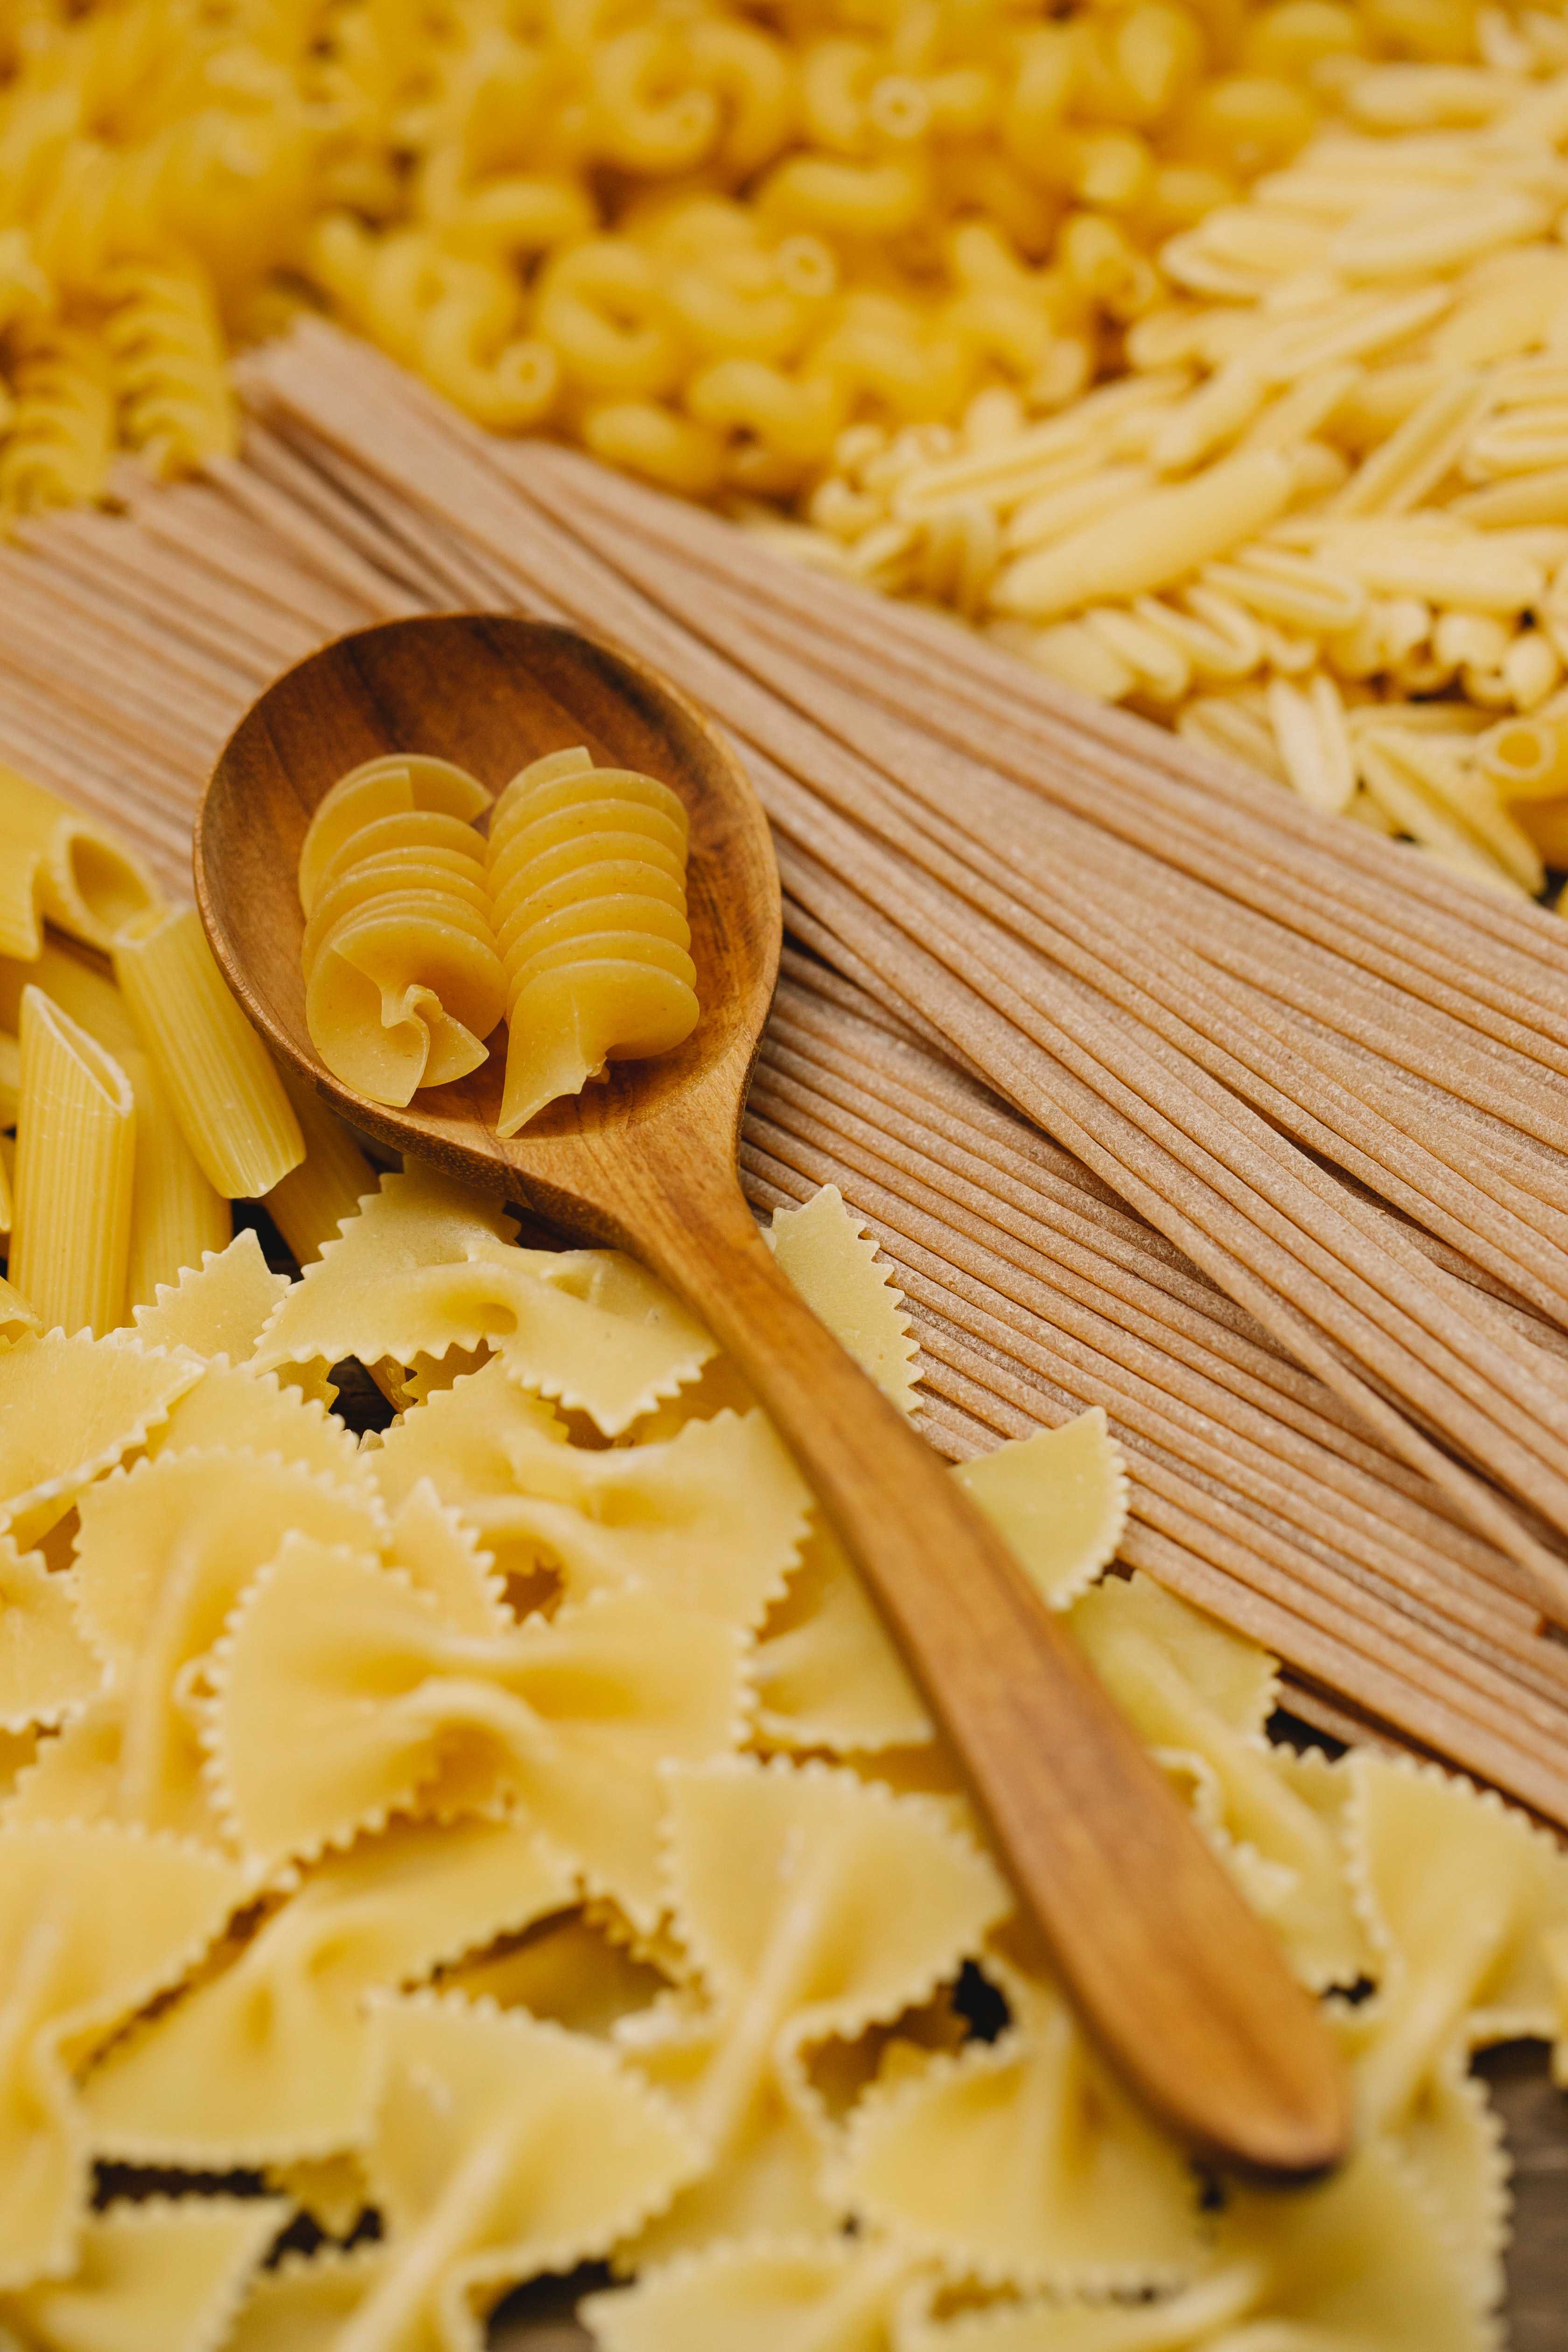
(1179, 1981)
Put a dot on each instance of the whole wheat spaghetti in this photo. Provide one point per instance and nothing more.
(1159, 1092)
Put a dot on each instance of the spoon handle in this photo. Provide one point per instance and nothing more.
(1177, 1979)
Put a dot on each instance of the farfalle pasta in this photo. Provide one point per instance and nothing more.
(516, 1826)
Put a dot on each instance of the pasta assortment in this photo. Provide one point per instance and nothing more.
(569, 914)
(482, 1883)
(569, 1623)
(706, 246)
(1316, 524)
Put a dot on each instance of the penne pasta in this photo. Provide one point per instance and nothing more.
(10, 1077)
(175, 1213)
(312, 1201)
(75, 1165)
(226, 1096)
(56, 864)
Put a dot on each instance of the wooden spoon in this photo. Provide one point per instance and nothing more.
(1178, 1980)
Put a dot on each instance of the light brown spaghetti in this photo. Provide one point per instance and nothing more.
(1160, 1093)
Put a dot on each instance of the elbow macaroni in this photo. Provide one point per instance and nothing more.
(493, 201)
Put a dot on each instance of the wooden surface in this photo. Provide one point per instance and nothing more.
(1179, 1980)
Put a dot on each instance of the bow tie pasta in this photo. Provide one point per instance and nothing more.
(512, 1823)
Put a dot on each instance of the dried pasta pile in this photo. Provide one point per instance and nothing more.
(1271, 1484)
(1320, 521)
(515, 1826)
(704, 241)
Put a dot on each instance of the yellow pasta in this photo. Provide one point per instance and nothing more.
(312, 1201)
(403, 981)
(175, 1214)
(75, 1164)
(57, 865)
(226, 1096)
(587, 877)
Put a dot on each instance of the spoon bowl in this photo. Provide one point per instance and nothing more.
(1176, 1979)
(491, 693)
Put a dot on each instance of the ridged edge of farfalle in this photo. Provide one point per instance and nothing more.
(401, 1347)
(82, 2025)
(560, 1393)
(356, 1469)
(364, 1495)
(210, 2329)
(849, 2019)
(53, 1715)
(764, 2245)
(1500, 2026)
(958, 2260)
(487, 1577)
(23, 1505)
(278, 2276)
(566, 2255)
(1495, 2217)
(208, 1713)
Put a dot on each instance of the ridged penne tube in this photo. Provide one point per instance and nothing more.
(226, 1095)
(1527, 759)
(10, 1077)
(587, 875)
(17, 1315)
(56, 864)
(76, 1140)
(328, 1185)
(78, 986)
(175, 1213)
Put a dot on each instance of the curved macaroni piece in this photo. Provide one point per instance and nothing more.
(402, 982)
(594, 940)
(56, 864)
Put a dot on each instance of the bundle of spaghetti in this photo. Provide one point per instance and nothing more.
(1294, 1488)
(1034, 1297)
(403, 979)
(586, 869)
(962, 921)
